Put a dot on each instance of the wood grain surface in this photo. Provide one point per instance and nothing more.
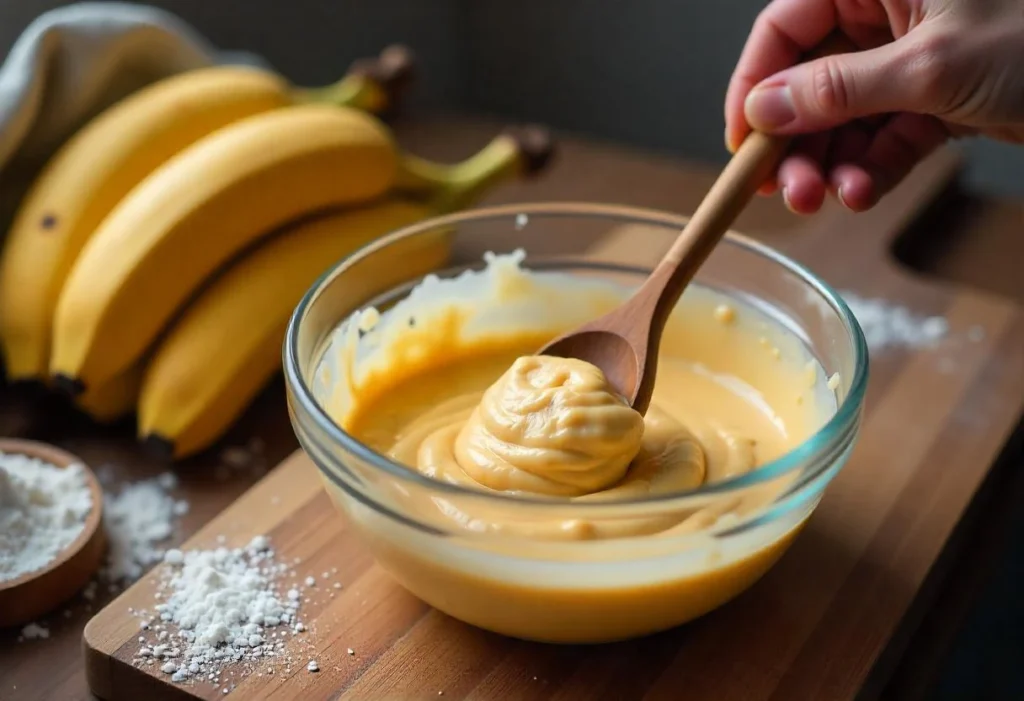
(814, 627)
(970, 240)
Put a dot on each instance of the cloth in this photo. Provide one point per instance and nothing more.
(73, 61)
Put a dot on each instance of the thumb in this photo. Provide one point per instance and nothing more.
(830, 91)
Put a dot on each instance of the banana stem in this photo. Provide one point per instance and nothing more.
(522, 151)
(418, 176)
(466, 182)
(356, 90)
(371, 84)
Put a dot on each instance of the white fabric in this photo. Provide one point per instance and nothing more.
(73, 61)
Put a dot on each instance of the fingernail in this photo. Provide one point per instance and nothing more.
(728, 142)
(770, 108)
(842, 200)
(785, 200)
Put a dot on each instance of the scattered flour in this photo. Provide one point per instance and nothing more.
(43, 509)
(34, 631)
(219, 607)
(242, 459)
(888, 325)
(137, 520)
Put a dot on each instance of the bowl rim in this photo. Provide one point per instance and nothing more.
(818, 443)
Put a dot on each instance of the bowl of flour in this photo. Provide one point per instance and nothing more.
(51, 542)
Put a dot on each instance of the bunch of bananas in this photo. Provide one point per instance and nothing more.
(156, 261)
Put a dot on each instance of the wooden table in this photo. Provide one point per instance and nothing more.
(970, 240)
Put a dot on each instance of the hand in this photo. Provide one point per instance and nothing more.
(927, 70)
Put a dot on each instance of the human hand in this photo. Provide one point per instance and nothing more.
(927, 70)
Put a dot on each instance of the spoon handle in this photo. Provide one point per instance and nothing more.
(754, 161)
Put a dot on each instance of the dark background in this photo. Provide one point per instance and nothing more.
(649, 73)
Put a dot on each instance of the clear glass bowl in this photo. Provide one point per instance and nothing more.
(578, 590)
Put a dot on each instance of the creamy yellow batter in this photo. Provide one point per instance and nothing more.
(481, 411)
(554, 426)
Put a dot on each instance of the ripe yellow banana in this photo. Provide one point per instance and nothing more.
(90, 174)
(194, 213)
(227, 344)
(115, 398)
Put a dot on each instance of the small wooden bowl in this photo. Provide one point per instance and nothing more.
(36, 593)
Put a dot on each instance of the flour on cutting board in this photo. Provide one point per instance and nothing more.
(140, 519)
(888, 325)
(49, 507)
(224, 610)
(43, 509)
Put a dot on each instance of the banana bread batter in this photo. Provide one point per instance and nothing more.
(479, 410)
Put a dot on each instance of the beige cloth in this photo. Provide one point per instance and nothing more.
(72, 62)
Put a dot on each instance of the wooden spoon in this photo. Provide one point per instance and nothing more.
(624, 343)
(33, 594)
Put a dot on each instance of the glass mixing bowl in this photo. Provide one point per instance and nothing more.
(574, 590)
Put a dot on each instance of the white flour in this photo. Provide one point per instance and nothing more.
(227, 606)
(34, 631)
(888, 325)
(242, 459)
(138, 519)
(43, 509)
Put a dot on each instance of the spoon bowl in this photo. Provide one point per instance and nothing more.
(618, 358)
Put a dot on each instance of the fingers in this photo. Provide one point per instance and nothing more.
(783, 31)
(892, 153)
(852, 141)
(800, 175)
(856, 163)
(848, 95)
(849, 183)
(854, 186)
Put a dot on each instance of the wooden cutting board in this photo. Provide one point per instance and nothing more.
(814, 628)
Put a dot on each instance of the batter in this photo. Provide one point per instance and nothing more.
(457, 395)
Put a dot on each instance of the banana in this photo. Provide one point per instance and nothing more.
(227, 344)
(97, 167)
(237, 325)
(194, 213)
(115, 398)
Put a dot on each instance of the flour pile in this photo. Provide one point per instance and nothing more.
(137, 519)
(43, 509)
(34, 631)
(225, 605)
(887, 325)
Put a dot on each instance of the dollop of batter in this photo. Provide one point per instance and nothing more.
(555, 426)
(550, 426)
